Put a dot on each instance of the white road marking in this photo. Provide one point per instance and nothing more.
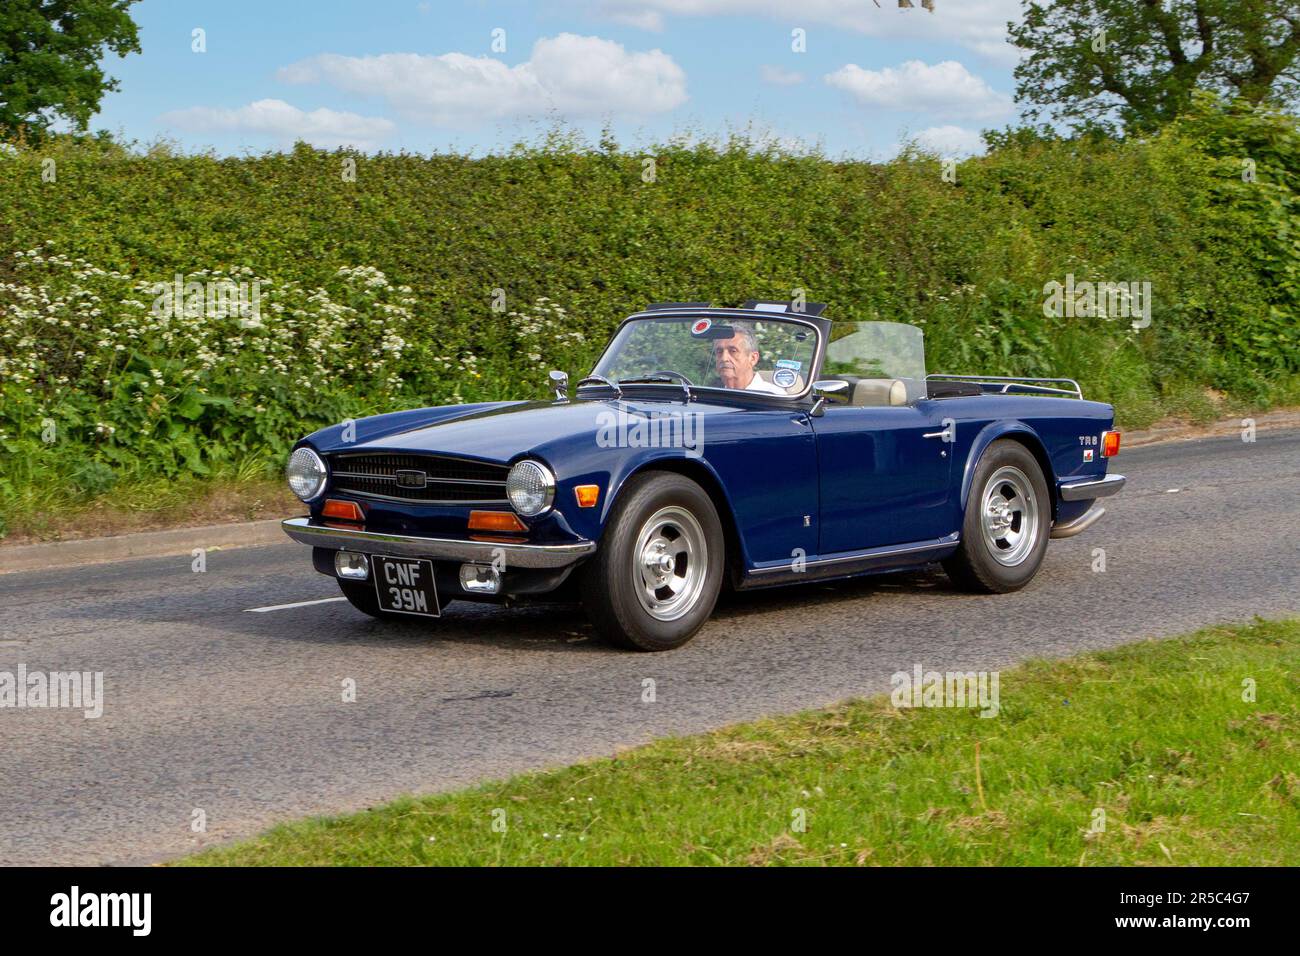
(285, 607)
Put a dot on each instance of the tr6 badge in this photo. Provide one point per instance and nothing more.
(411, 478)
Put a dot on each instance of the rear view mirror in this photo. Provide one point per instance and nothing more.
(559, 384)
(833, 390)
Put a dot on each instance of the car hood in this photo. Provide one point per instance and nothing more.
(500, 431)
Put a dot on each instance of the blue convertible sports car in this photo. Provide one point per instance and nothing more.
(709, 447)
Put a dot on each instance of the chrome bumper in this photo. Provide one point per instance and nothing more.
(1092, 488)
(441, 549)
(1081, 523)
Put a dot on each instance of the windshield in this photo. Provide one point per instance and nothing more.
(768, 355)
(879, 351)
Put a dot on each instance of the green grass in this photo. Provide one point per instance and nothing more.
(1155, 734)
(55, 511)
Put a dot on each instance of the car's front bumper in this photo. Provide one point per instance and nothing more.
(514, 554)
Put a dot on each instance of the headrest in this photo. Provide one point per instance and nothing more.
(879, 391)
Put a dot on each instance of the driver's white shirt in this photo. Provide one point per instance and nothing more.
(756, 384)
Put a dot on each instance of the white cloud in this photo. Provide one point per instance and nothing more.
(649, 20)
(573, 75)
(945, 89)
(286, 123)
(951, 141)
(979, 25)
(778, 76)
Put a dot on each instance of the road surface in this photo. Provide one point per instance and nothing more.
(210, 706)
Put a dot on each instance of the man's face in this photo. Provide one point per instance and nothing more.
(734, 361)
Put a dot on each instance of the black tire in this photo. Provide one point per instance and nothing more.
(651, 508)
(361, 595)
(983, 562)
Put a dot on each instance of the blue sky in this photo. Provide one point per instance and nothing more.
(424, 76)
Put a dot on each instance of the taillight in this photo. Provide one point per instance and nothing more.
(1109, 444)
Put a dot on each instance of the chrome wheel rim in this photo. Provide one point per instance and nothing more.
(669, 563)
(1009, 516)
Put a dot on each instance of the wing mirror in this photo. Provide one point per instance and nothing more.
(833, 390)
(560, 382)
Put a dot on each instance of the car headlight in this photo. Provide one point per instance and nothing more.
(530, 486)
(306, 474)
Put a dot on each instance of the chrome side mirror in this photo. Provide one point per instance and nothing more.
(833, 390)
(560, 382)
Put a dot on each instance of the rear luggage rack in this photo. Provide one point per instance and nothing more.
(1003, 384)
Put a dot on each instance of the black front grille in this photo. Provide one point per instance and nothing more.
(376, 475)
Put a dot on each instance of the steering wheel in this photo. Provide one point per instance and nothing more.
(665, 371)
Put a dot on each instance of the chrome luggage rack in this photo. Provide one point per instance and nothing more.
(1003, 384)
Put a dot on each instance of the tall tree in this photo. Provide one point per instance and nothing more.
(49, 60)
(1136, 63)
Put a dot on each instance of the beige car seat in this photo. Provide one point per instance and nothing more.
(879, 391)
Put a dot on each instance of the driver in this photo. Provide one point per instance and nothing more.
(736, 359)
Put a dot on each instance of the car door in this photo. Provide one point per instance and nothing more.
(767, 460)
(884, 475)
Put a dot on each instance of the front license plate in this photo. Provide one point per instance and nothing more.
(405, 585)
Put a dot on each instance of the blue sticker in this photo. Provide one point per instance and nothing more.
(789, 363)
(783, 377)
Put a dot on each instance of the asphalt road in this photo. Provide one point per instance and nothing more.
(211, 707)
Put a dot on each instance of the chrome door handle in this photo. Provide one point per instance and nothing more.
(946, 434)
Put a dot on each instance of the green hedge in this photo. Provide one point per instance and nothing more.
(577, 238)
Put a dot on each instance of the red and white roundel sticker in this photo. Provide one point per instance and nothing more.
(701, 326)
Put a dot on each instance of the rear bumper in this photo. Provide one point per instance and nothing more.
(1082, 523)
(515, 555)
(1092, 488)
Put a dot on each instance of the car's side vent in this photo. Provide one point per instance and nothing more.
(427, 479)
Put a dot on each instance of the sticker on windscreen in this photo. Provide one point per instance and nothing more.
(701, 326)
(789, 363)
(783, 377)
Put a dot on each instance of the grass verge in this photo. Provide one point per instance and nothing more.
(1157, 735)
(53, 512)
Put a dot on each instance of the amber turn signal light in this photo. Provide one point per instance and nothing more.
(1109, 444)
(342, 510)
(495, 521)
(587, 495)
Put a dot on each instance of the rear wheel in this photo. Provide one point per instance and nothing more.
(1008, 519)
(656, 577)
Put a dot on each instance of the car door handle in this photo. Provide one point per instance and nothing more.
(946, 434)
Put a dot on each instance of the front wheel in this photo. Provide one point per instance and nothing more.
(656, 577)
(1008, 519)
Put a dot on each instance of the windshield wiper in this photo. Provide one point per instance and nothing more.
(657, 380)
(600, 380)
